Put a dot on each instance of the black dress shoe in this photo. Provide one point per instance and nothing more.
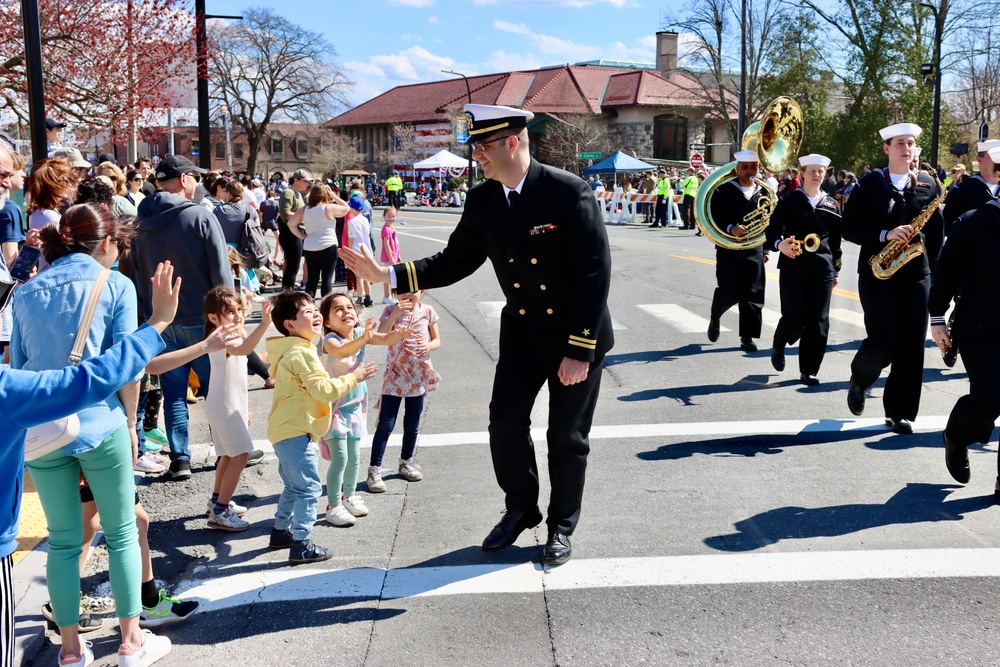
(713, 330)
(900, 426)
(557, 549)
(747, 345)
(778, 358)
(808, 380)
(956, 457)
(512, 524)
(856, 399)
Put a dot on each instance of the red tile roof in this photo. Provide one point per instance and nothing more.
(568, 89)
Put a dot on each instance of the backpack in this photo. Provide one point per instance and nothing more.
(252, 246)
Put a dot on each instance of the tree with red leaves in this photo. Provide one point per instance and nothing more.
(107, 63)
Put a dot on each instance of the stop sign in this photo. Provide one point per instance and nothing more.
(697, 160)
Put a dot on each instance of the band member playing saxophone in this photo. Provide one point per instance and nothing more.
(880, 212)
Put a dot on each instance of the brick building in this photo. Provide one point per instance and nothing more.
(654, 111)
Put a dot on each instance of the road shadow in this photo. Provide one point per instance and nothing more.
(686, 395)
(914, 503)
(749, 446)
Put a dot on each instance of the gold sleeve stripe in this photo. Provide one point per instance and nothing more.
(587, 346)
(411, 276)
(588, 341)
(480, 130)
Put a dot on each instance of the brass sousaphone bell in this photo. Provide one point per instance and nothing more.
(776, 138)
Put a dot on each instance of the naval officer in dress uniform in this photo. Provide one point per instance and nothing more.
(879, 210)
(805, 229)
(542, 230)
(968, 264)
(739, 273)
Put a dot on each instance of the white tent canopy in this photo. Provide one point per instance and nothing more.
(444, 159)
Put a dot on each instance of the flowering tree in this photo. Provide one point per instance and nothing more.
(106, 63)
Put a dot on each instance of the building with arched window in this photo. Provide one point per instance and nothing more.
(654, 111)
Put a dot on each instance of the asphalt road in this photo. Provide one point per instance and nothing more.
(732, 516)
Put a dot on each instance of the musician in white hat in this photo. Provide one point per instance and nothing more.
(542, 230)
(973, 192)
(739, 273)
(968, 265)
(805, 229)
(880, 210)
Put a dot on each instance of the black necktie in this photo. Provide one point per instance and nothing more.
(512, 198)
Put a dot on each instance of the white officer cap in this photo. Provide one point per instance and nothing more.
(814, 158)
(746, 156)
(986, 146)
(486, 120)
(900, 129)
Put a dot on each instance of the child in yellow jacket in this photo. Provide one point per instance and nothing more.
(300, 414)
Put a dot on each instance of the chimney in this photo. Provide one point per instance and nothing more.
(666, 51)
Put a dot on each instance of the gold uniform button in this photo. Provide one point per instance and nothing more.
(542, 287)
(517, 285)
(534, 261)
(511, 260)
(521, 311)
(549, 311)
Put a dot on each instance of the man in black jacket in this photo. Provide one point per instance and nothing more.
(542, 230)
(968, 265)
(739, 273)
(973, 192)
(805, 229)
(880, 210)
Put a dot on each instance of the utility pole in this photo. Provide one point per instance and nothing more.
(36, 84)
(940, 13)
(201, 45)
(468, 92)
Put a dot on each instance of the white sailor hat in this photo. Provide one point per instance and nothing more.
(486, 120)
(900, 129)
(917, 150)
(746, 156)
(995, 155)
(814, 158)
(988, 145)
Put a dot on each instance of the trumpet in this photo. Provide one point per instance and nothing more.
(810, 243)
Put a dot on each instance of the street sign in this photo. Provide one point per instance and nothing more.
(588, 156)
(698, 148)
(697, 160)
(194, 152)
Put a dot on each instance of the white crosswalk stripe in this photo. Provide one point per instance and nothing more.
(678, 317)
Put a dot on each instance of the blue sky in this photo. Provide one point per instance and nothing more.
(386, 43)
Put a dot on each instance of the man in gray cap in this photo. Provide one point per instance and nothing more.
(171, 227)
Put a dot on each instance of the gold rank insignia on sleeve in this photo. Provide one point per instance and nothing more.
(584, 341)
(411, 276)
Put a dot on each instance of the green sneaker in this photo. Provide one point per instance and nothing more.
(167, 610)
(156, 439)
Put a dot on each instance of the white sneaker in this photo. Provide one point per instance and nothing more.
(409, 471)
(158, 458)
(374, 482)
(147, 466)
(82, 660)
(153, 648)
(339, 516)
(355, 505)
(238, 510)
(227, 521)
(389, 300)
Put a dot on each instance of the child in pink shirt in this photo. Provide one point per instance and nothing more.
(390, 248)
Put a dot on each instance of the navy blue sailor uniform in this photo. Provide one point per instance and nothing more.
(967, 196)
(549, 250)
(739, 273)
(968, 265)
(806, 282)
(896, 308)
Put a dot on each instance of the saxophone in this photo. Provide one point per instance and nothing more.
(896, 253)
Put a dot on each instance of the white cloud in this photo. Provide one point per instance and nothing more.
(576, 4)
(412, 65)
(501, 61)
(516, 28)
(412, 3)
(433, 19)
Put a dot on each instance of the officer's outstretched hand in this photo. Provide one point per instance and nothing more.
(363, 264)
(573, 371)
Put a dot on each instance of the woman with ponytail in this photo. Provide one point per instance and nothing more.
(87, 240)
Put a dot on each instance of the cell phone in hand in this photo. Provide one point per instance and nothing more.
(25, 263)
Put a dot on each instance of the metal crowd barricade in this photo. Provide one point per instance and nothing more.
(619, 207)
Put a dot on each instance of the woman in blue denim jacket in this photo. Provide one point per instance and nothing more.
(50, 307)
(30, 398)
